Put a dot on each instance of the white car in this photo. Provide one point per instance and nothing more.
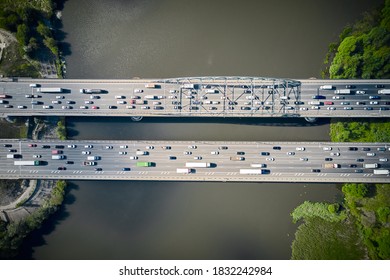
(335, 154)
(83, 107)
(86, 152)
(198, 158)
(88, 102)
(303, 109)
(270, 159)
(109, 147)
(88, 146)
(22, 107)
(327, 148)
(123, 147)
(304, 159)
(300, 148)
(60, 97)
(383, 159)
(149, 147)
(331, 108)
(138, 90)
(121, 102)
(72, 146)
(134, 157)
(47, 107)
(37, 156)
(192, 147)
(123, 153)
(214, 153)
(187, 153)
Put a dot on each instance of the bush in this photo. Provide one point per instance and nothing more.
(316, 209)
(383, 214)
(355, 190)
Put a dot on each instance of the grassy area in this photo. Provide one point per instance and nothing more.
(13, 130)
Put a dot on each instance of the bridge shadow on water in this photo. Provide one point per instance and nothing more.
(36, 238)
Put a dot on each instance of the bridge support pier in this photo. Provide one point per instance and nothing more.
(136, 118)
(310, 119)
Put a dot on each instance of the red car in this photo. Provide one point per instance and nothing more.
(95, 107)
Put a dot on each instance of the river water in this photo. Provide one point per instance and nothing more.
(172, 38)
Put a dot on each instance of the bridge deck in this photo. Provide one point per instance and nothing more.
(293, 162)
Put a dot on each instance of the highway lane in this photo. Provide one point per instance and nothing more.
(284, 167)
(238, 97)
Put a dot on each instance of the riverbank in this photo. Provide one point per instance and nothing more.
(362, 52)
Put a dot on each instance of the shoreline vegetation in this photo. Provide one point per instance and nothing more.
(358, 226)
(28, 49)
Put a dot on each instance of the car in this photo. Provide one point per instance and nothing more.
(366, 149)
(214, 152)
(344, 103)
(123, 147)
(360, 92)
(318, 97)
(166, 147)
(198, 158)
(67, 107)
(47, 107)
(360, 103)
(134, 157)
(264, 153)
(374, 102)
(379, 86)
(300, 148)
(56, 102)
(137, 90)
(34, 85)
(8, 106)
(59, 146)
(352, 165)
(328, 103)
(327, 148)
(32, 145)
(22, 107)
(88, 102)
(86, 152)
(149, 147)
(338, 97)
(270, 159)
(37, 156)
(303, 109)
(240, 153)
(130, 107)
(69, 162)
(177, 107)
(328, 159)
(187, 153)
(348, 108)
(381, 149)
(94, 97)
(358, 170)
(89, 163)
(125, 169)
(61, 168)
(108, 147)
(60, 97)
(360, 159)
(123, 153)
(194, 108)
(232, 103)
(290, 153)
(276, 147)
(316, 170)
(28, 96)
(383, 159)
(135, 97)
(374, 97)
(45, 146)
(192, 147)
(222, 147)
(12, 150)
(315, 107)
(112, 107)
(145, 107)
(173, 91)
(121, 102)
(371, 154)
(304, 159)
(72, 146)
(352, 148)
(349, 86)
(172, 158)
(213, 108)
(83, 107)
(88, 146)
(335, 154)
(98, 169)
(383, 109)
(368, 108)
(70, 102)
(7, 145)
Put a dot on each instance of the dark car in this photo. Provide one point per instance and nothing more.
(12, 150)
(59, 146)
(61, 168)
(328, 159)
(172, 158)
(352, 148)
(232, 103)
(45, 147)
(358, 170)
(69, 162)
(98, 169)
(240, 153)
(352, 165)
(112, 107)
(264, 153)
(125, 169)
(379, 86)
(7, 145)
(360, 159)
(315, 170)
(366, 149)
(277, 148)
(222, 148)
(349, 86)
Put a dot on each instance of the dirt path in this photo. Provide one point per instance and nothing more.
(5, 39)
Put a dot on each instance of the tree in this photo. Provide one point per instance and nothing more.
(22, 34)
(43, 30)
(355, 190)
